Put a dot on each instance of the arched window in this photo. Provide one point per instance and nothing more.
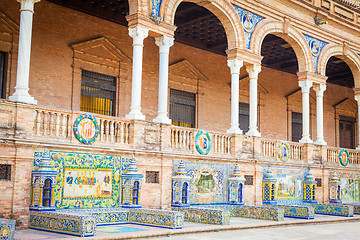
(135, 193)
(313, 192)
(273, 192)
(184, 193)
(240, 191)
(47, 193)
(338, 192)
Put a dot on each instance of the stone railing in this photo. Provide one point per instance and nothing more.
(183, 140)
(269, 149)
(33, 123)
(58, 125)
(333, 155)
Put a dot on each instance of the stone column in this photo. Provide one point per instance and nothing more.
(138, 35)
(23, 66)
(253, 71)
(164, 44)
(305, 89)
(235, 65)
(319, 89)
(357, 98)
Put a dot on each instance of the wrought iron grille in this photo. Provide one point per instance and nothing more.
(98, 93)
(318, 182)
(2, 74)
(244, 113)
(182, 108)
(249, 180)
(296, 126)
(5, 172)
(152, 177)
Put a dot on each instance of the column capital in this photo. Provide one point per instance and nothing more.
(305, 86)
(27, 5)
(235, 65)
(357, 98)
(253, 70)
(311, 76)
(138, 34)
(164, 43)
(319, 89)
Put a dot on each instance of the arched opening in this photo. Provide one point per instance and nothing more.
(341, 80)
(184, 193)
(135, 193)
(240, 193)
(278, 54)
(272, 192)
(47, 193)
(198, 27)
(313, 193)
(338, 192)
(201, 29)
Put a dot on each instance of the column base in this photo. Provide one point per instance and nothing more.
(162, 119)
(23, 98)
(253, 133)
(135, 114)
(320, 141)
(306, 140)
(234, 130)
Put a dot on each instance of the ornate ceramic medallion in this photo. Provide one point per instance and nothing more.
(344, 157)
(203, 142)
(315, 47)
(86, 128)
(283, 151)
(248, 21)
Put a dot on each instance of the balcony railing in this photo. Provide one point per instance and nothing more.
(54, 126)
(58, 125)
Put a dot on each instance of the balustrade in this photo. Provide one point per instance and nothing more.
(57, 124)
(269, 149)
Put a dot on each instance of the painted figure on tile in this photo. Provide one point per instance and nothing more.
(106, 179)
(206, 183)
(248, 21)
(69, 179)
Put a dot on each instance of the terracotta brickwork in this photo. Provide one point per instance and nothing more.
(66, 41)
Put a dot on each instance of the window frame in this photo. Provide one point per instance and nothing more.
(115, 90)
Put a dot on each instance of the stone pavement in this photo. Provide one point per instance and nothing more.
(132, 231)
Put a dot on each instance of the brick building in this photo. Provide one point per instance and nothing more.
(258, 76)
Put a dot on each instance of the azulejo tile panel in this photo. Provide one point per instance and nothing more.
(85, 180)
(7, 228)
(205, 215)
(337, 210)
(160, 218)
(305, 212)
(208, 182)
(83, 226)
(256, 212)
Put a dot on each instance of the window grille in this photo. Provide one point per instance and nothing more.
(244, 112)
(2, 74)
(249, 180)
(5, 172)
(152, 177)
(318, 182)
(182, 108)
(296, 126)
(98, 93)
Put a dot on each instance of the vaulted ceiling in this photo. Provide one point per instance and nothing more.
(198, 27)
